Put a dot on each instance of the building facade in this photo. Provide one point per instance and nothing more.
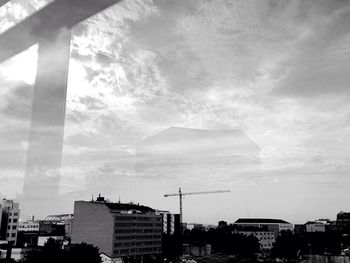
(63, 220)
(118, 230)
(317, 226)
(266, 238)
(170, 223)
(263, 224)
(9, 220)
(343, 222)
(29, 226)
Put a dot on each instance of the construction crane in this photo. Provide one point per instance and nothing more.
(180, 194)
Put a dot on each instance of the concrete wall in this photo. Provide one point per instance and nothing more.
(93, 224)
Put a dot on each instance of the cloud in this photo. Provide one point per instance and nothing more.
(15, 11)
(320, 58)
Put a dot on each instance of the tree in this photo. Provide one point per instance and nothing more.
(83, 253)
(224, 240)
(288, 245)
(52, 252)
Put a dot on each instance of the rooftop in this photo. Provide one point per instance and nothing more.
(61, 217)
(260, 221)
(122, 206)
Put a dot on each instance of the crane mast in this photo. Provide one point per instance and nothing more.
(180, 194)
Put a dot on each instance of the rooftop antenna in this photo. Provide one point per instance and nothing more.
(92, 199)
(119, 200)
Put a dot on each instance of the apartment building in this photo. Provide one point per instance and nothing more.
(119, 230)
(9, 220)
(171, 223)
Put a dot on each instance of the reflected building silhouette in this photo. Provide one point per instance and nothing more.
(198, 153)
(50, 28)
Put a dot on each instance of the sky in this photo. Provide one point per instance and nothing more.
(275, 70)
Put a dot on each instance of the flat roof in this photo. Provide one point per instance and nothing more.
(122, 206)
(260, 221)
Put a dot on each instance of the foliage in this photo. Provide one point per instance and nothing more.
(171, 246)
(225, 240)
(290, 245)
(83, 253)
(52, 252)
(287, 245)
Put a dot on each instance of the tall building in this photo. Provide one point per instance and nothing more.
(171, 223)
(343, 222)
(118, 230)
(9, 220)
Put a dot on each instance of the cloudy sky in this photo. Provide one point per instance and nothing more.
(276, 70)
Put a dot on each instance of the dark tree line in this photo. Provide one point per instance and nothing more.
(291, 245)
(224, 240)
(52, 252)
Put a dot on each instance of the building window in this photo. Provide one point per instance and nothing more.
(13, 235)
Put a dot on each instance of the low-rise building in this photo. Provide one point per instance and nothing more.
(64, 220)
(263, 225)
(197, 249)
(317, 226)
(299, 228)
(266, 238)
(29, 226)
(31, 233)
(191, 226)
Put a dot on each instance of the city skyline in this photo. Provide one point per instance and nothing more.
(275, 71)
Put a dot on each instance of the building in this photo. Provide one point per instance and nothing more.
(9, 220)
(343, 222)
(263, 224)
(171, 223)
(197, 249)
(317, 226)
(107, 259)
(32, 233)
(191, 226)
(266, 238)
(17, 254)
(222, 224)
(119, 230)
(29, 226)
(64, 220)
(299, 228)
